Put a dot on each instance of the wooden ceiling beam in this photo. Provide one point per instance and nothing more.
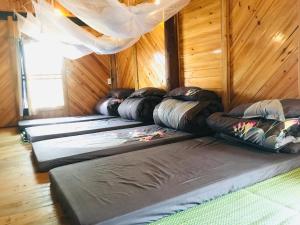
(172, 53)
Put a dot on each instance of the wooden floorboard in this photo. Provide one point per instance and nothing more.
(25, 196)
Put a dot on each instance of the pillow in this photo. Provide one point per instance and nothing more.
(108, 106)
(139, 109)
(268, 135)
(184, 115)
(193, 94)
(149, 91)
(120, 93)
(268, 109)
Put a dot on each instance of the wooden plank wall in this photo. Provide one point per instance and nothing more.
(9, 109)
(143, 65)
(262, 61)
(200, 45)
(86, 83)
(126, 68)
(264, 50)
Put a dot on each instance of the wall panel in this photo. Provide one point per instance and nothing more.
(86, 82)
(126, 68)
(9, 110)
(200, 45)
(145, 60)
(264, 49)
(151, 59)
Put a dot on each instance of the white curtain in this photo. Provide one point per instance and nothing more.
(121, 25)
(112, 18)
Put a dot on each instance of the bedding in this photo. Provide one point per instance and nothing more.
(59, 120)
(268, 109)
(108, 106)
(144, 186)
(61, 151)
(148, 92)
(64, 130)
(253, 205)
(120, 93)
(193, 94)
(187, 116)
(52, 153)
(269, 135)
(139, 109)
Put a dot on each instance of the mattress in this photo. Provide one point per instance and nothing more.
(143, 186)
(40, 133)
(39, 122)
(52, 153)
(253, 205)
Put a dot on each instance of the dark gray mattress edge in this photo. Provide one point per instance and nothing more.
(33, 123)
(174, 205)
(31, 138)
(211, 192)
(187, 200)
(48, 165)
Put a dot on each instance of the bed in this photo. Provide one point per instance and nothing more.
(256, 204)
(40, 133)
(59, 120)
(144, 186)
(52, 153)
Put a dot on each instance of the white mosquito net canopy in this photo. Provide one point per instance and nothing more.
(121, 25)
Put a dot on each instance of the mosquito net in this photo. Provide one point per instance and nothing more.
(121, 25)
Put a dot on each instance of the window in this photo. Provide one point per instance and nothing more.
(44, 70)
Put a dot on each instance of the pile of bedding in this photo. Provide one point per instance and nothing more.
(110, 104)
(106, 108)
(271, 125)
(187, 108)
(66, 150)
(139, 105)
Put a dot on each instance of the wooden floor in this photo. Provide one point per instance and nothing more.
(25, 196)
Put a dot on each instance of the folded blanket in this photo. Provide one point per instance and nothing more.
(268, 109)
(108, 106)
(187, 116)
(270, 135)
(139, 109)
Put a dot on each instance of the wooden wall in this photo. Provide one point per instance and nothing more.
(200, 45)
(264, 50)
(246, 50)
(143, 65)
(9, 108)
(126, 68)
(86, 83)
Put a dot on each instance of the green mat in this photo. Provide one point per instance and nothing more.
(272, 202)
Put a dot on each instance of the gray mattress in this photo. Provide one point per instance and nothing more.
(52, 153)
(40, 133)
(144, 186)
(39, 122)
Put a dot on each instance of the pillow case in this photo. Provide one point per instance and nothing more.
(139, 109)
(146, 92)
(193, 94)
(120, 93)
(269, 135)
(108, 106)
(185, 115)
(268, 109)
